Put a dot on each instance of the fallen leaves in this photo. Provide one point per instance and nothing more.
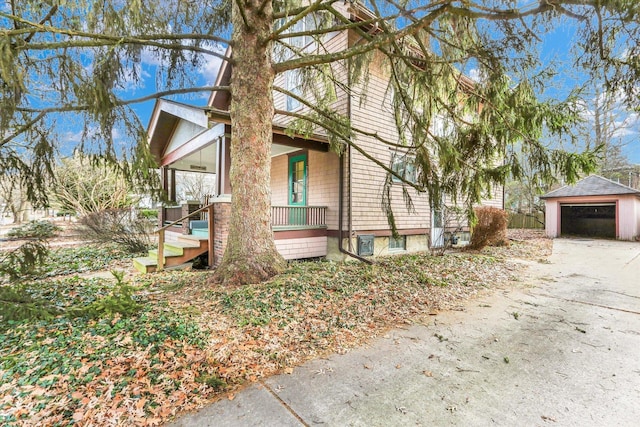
(192, 343)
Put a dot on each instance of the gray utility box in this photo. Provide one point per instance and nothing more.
(365, 244)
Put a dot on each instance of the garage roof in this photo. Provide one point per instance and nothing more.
(593, 185)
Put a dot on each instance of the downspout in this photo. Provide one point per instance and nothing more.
(341, 184)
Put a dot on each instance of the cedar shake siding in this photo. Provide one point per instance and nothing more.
(322, 182)
(371, 109)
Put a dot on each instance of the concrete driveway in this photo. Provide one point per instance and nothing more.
(561, 348)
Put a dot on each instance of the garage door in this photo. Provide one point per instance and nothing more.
(591, 220)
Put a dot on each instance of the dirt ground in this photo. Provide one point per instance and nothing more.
(559, 348)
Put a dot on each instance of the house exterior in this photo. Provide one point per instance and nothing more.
(593, 207)
(324, 204)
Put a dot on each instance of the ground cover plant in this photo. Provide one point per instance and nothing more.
(186, 342)
(34, 229)
(60, 261)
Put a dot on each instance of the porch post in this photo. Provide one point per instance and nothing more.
(211, 236)
(172, 188)
(162, 213)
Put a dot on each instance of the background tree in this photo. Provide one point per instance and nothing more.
(607, 125)
(194, 185)
(86, 186)
(14, 197)
(83, 57)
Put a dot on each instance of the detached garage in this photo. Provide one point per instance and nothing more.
(593, 207)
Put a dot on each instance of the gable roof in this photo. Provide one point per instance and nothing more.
(593, 185)
(165, 117)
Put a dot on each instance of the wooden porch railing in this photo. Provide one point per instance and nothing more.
(161, 230)
(303, 216)
(172, 214)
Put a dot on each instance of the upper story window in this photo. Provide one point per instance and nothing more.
(293, 84)
(293, 45)
(442, 126)
(403, 165)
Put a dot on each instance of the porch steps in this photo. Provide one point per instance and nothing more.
(177, 252)
(200, 232)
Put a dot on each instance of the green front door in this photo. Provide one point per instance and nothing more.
(298, 189)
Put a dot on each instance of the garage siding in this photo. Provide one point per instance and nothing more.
(627, 223)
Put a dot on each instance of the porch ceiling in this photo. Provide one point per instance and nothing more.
(194, 162)
(206, 158)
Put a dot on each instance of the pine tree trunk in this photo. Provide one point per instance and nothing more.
(250, 255)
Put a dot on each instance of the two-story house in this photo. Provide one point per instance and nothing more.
(323, 204)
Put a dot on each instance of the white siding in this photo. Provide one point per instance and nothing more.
(310, 247)
(185, 131)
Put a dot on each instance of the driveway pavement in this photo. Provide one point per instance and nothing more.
(562, 348)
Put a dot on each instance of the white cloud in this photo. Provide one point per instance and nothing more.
(475, 75)
(211, 64)
(209, 69)
(134, 78)
(148, 57)
(74, 137)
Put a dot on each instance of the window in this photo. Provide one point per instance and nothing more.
(397, 244)
(403, 165)
(293, 85)
(292, 46)
(298, 180)
(442, 126)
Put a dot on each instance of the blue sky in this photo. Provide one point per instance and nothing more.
(555, 48)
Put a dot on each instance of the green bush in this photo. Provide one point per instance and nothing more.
(34, 229)
(148, 213)
(491, 228)
(119, 301)
(16, 305)
(28, 302)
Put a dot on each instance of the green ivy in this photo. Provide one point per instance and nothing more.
(34, 229)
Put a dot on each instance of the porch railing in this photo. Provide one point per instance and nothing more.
(299, 216)
(172, 214)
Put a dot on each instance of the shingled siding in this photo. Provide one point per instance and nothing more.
(374, 113)
(322, 185)
(334, 42)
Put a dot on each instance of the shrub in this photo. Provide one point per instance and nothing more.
(118, 226)
(119, 301)
(148, 213)
(491, 228)
(34, 229)
(16, 305)
(24, 261)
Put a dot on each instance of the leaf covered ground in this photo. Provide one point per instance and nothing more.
(188, 343)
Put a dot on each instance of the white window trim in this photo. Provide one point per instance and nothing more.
(292, 83)
(404, 160)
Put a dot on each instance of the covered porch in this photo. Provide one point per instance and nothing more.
(189, 139)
